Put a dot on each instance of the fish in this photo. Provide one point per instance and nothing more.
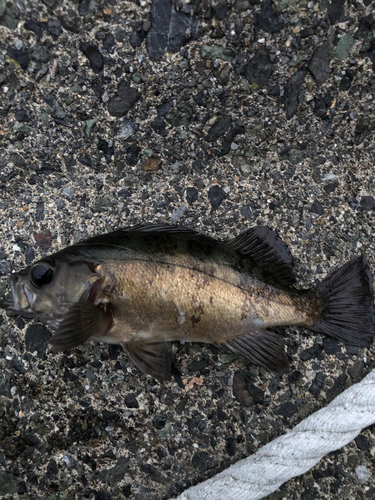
(144, 287)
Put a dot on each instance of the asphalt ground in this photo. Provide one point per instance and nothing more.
(214, 116)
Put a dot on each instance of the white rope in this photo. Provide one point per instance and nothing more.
(296, 452)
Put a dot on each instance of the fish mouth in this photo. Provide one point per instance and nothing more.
(21, 298)
(19, 301)
(30, 296)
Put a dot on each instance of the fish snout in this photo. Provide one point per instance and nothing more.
(23, 298)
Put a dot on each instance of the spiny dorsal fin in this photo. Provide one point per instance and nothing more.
(268, 252)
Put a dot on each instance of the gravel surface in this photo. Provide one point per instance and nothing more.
(216, 115)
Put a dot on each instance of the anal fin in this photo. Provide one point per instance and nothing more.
(262, 348)
(152, 358)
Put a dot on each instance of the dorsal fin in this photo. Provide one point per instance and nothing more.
(268, 253)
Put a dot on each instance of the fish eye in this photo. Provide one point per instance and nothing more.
(41, 274)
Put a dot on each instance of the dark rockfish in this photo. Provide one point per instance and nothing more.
(142, 287)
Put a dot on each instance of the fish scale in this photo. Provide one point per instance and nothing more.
(214, 306)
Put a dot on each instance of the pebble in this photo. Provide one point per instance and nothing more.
(170, 29)
(203, 462)
(129, 128)
(259, 69)
(216, 196)
(125, 98)
(131, 401)
(4, 268)
(367, 203)
(362, 474)
(68, 191)
(177, 214)
(287, 409)
(191, 195)
(317, 208)
(362, 443)
(36, 339)
(319, 65)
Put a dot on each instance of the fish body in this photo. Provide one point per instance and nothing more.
(169, 301)
(143, 287)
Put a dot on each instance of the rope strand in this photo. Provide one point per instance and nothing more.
(297, 451)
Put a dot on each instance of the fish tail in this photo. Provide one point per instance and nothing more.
(348, 304)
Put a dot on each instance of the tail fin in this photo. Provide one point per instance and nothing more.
(348, 304)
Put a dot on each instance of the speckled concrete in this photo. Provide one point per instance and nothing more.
(266, 116)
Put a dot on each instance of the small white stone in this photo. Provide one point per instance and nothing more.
(363, 474)
(68, 191)
(177, 214)
(328, 177)
(68, 460)
(18, 43)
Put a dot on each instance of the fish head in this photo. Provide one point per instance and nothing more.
(46, 289)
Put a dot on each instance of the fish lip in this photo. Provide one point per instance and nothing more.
(21, 295)
(13, 287)
(30, 296)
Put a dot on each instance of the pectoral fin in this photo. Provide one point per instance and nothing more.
(262, 348)
(152, 358)
(82, 321)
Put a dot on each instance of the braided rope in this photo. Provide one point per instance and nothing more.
(296, 452)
